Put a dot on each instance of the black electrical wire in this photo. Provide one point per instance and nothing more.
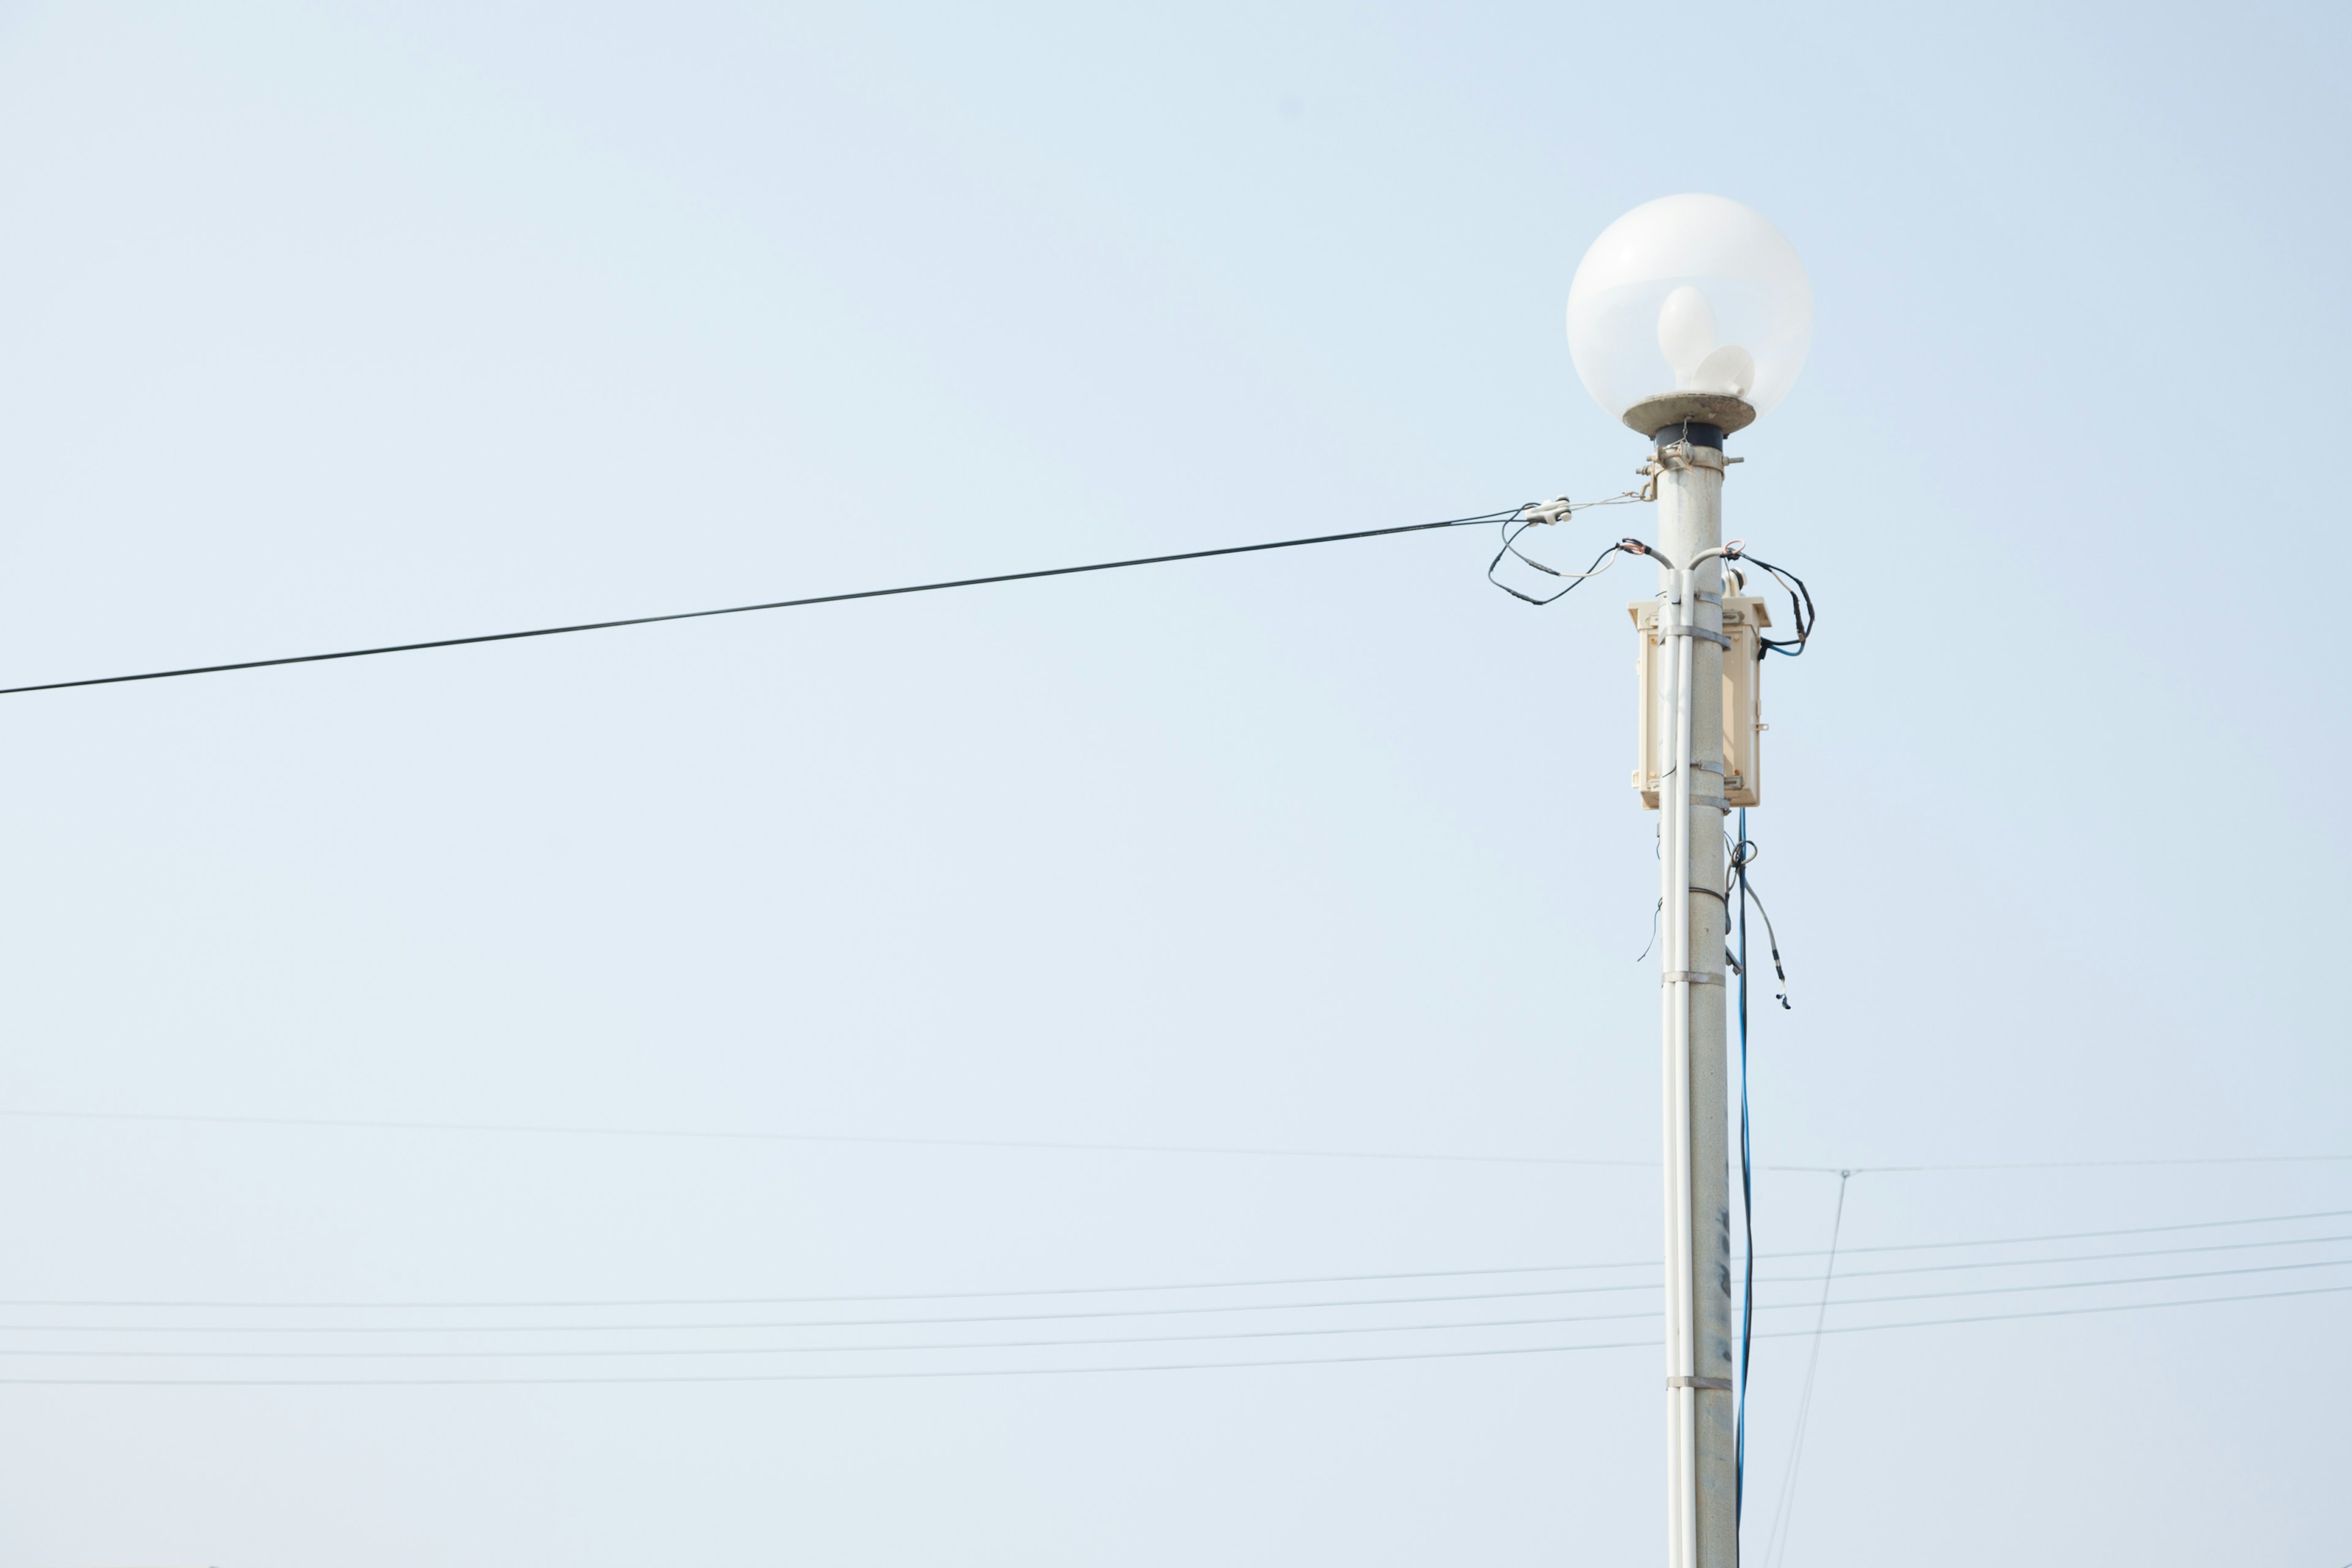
(771, 605)
(1657, 914)
(1743, 855)
(1511, 547)
(1541, 514)
(1800, 609)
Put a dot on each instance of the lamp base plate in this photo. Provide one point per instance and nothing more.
(1721, 410)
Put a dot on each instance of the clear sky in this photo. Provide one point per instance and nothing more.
(323, 325)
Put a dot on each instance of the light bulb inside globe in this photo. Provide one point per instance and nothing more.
(1729, 370)
(1685, 333)
(1689, 308)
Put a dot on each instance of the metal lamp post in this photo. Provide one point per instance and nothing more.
(1688, 318)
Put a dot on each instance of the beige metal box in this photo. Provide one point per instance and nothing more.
(1743, 722)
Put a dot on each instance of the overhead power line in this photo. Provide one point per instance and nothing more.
(2070, 1257)
(782, 1376)
(2079, 1235)
(1643, 1284)
(937, 1373)
(2068, 1165)
(1218, 1309)
(1236, 1151)
(2071, 1311)
(465, 1331)
(636, 1352)
(359, 1124)
(476, 1330)
(588, 1303)
(769, 605)
(2085, 1284)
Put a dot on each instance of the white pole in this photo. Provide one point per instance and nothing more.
(1702, 1528)
(1674, 827)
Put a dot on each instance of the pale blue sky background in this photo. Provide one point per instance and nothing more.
(323, 325)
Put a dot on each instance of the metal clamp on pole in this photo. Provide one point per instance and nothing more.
(1673, 456)
(1681, 630)
(1689, 976)
(1720, 1384)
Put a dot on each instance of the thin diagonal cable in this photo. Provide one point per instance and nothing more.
(1779, 1540)
(751, 609)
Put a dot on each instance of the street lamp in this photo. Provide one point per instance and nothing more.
(1688, 319)
(1686, 305)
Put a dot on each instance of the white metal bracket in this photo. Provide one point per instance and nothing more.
(1690, 977)
(1719, 1385)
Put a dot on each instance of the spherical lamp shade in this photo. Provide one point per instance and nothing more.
(1689, 308)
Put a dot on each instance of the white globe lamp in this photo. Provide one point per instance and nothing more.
(1690, 309)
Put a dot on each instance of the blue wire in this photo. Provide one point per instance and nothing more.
(1747, 1197)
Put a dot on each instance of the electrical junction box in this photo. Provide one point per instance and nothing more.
(1744, 619)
